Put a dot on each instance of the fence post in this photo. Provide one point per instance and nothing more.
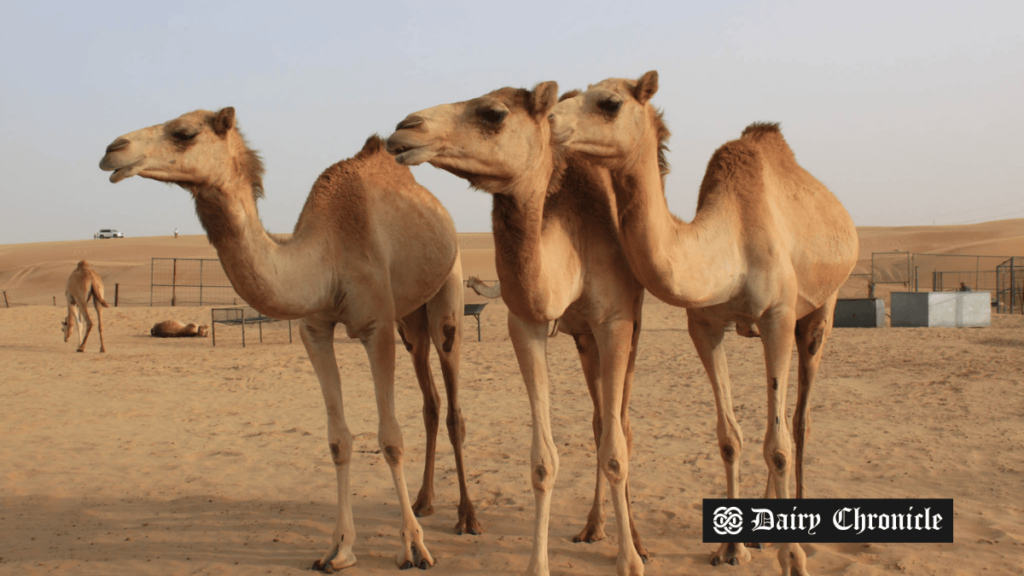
(174, 282)
(6, 303)
(54, 301)
(117, 294)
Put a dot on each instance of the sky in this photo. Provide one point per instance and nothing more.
(910, 112)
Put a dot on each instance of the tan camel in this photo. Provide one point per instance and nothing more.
(175, 329)
(84, 283)
(478, 286)
(371, 249)
(769, 247)
(558, 258)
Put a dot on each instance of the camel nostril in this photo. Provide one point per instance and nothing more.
(117, 145)
(409, 122)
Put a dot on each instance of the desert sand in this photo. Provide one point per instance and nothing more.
(177, 457)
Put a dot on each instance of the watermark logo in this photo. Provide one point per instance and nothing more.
(828, 520)
(728, 520)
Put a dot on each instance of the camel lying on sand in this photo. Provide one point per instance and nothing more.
(175, 329)
(83, 283)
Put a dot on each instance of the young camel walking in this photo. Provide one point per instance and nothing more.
(372, 249)
(84, 283)
(769, 247)
(558, 258)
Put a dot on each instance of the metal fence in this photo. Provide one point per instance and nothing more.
(190, 282)
(1010, 286)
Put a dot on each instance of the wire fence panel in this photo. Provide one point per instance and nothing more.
(1010, 286)
(190, 282)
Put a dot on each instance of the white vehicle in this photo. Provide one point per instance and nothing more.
(107, 233)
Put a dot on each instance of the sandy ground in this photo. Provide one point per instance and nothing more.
(176, 457)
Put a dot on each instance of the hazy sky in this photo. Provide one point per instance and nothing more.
(910, 112)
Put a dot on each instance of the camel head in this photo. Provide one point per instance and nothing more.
(198, 150)
(486, 140)
(203, 331)
(607, 122)
(66, 327)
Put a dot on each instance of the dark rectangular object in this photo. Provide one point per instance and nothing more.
(859, 313)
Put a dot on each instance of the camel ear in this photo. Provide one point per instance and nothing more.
(544, 98)
(224, 121)
(646, 87)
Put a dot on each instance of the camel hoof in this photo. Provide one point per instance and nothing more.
(645, 558)
(423, 565)
(469, 526)
(422, 509)
(715, 561)
(406, 565)
(590, 534)
(321, 566)
(734, 561)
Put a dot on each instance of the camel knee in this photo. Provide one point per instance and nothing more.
(393, 454)
(730, 449)
(542, 476)
(341, 451)
(614, 460)
(448, 331)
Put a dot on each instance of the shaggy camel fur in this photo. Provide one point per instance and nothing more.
(175, 329)
(83, 283)
(372, 249)
(769, 247)
(478, 286)
(558, 258)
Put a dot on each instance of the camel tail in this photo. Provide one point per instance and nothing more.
(99, 298)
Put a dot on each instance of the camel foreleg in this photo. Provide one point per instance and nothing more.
(319, 342)
(379, 344)
(530, 344)
(615, 343)
(778, 328)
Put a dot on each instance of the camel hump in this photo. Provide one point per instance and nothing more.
(758, 130)
(373, 145)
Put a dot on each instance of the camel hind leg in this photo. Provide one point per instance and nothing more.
(414, 333)
(444, 317)
(590, 360)
(96, 301)
(811, 333)
(83, 311)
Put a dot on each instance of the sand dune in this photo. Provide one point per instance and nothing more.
(176, 457)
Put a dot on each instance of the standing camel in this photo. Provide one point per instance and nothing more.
(372, 249)
(83, 283)
(558, 258)
(768, 248)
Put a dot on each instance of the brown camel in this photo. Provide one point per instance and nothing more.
(769, 247)
(558, 258)
(84, 283)
(371, 249)
(175, 329)
(478, 286)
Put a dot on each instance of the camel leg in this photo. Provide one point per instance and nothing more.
(380, 348)
(615, 342)
(444, 317)
(413, 330)
(627, 428)
(778, 327)
(590, 359)
(83, 310)
(99, 323)
(708, 340)
(811, 333)
(318, 339)
(530, 344)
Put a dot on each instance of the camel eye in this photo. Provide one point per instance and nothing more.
(493, 116)
(611, 105)
(183, 136)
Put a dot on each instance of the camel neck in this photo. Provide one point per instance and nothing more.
(271, 277)
(534, 255)
(685, 264)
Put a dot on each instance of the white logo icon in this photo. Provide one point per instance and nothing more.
(728, 520)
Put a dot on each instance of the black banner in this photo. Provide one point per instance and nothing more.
(821, 520)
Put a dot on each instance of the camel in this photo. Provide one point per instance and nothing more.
(372, 249)
(482, 289)
(175, 329)
(558, 260)
(84, 283)
(767, 251)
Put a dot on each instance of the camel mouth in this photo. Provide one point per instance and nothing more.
(124, 171)
(409, 155)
